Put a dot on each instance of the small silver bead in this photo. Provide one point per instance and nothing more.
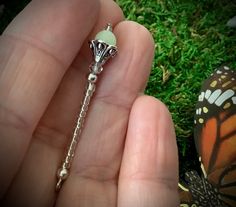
(92, 78)
(62, 173)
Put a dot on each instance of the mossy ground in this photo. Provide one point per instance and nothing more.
(191, 40)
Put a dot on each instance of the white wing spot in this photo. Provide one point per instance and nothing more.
(201, 96)
(214, 96)
(200, 110)
(224, 96)
(207, 94)
(218, 71)
(234, 99)
(226, 67)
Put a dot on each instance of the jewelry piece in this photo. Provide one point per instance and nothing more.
(103, 48)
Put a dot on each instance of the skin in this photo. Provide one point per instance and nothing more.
(127, 153)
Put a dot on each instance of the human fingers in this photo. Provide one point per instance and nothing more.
(93, 177)
(50, 139)
(35, 52)
(149, 169)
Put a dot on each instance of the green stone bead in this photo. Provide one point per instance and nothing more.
(106, 36)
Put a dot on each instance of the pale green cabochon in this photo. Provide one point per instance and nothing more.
(106, 36)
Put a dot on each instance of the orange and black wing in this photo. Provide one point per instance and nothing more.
(215, 120)
(215, 140)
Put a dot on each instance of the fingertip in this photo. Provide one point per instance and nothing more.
(108, 7)
(167, 151)
(149, 169)
(109, 12)
(132, 65)
(151, 127)
(156, 108)
(141, 35)
(152, 101)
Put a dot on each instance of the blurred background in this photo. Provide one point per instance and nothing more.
(191, 40)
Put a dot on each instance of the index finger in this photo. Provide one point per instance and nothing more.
(35, 51)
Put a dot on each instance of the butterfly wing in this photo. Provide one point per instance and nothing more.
(215, 132)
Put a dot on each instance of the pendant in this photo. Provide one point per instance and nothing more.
(103, 48)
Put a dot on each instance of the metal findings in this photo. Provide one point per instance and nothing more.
(103, 48)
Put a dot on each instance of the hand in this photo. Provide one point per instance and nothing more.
(127, 154)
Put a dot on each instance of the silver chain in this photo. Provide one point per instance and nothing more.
(79, 124)
(63, 172)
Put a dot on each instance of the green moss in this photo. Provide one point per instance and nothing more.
(191, 40)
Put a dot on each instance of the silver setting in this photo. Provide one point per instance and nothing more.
(102, 52)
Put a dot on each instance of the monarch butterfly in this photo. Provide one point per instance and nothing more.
(215, 140)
